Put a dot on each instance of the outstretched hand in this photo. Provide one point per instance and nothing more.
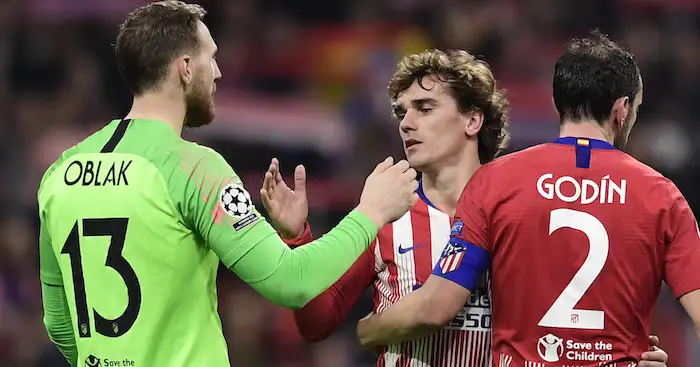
(287, 208)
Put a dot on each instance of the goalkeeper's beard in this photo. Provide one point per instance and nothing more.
(200, 106)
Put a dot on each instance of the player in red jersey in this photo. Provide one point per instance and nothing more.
(459, 119)
(580, 235)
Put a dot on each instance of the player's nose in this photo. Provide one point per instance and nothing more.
(408, 122)
(217, 71)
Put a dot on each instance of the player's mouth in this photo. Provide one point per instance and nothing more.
(410, 143)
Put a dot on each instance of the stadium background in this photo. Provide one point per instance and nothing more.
(304, 81)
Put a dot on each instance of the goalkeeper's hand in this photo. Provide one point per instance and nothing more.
(288, 209)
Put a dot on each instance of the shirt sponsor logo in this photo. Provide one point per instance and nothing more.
(92, 361)
(552, 348)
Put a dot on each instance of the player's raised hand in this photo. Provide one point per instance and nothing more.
(288, 209)
(389, 192)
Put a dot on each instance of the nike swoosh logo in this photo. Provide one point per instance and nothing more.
(403, 250)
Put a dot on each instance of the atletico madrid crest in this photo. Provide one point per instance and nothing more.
(452, 257)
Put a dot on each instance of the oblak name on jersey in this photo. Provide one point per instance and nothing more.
(585, 191)
(91, 173)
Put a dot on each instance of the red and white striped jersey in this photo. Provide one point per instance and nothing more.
(406, 252)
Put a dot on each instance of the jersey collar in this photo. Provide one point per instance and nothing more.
(154, 125)
(421, 194)
(593, 143)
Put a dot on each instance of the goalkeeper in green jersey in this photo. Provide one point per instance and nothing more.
(134, 219)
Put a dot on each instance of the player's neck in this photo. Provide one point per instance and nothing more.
(444, 186)
(158, 106)
(584, 129)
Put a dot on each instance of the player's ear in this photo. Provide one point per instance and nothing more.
(185, 69)
(473, 120)
(620, 111)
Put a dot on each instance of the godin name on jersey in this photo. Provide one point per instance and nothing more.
(568, 189)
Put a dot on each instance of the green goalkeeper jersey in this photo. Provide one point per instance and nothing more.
(134, 221)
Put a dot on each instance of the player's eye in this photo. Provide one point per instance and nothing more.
(425, 110)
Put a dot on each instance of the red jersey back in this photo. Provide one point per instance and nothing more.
(581, 236)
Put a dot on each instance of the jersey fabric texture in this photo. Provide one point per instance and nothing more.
(134, 221)
(581, 236)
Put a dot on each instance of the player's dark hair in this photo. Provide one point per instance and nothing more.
(151, 37)
(591, 75)
(471, 83)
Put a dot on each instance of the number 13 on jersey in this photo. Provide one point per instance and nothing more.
(562, 313)
(115, 229)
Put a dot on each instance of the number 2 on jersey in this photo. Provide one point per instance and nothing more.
(562, 313)
(115, 228)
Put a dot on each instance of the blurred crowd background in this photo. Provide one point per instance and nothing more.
(304, 81)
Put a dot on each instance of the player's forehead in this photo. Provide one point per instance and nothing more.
(427, 88)
(206, 41)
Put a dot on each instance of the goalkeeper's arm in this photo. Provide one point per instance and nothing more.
(292, 278)
(56, 313)
(58, 322)
(215, 205)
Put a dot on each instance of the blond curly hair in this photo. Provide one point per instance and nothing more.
(471, 83)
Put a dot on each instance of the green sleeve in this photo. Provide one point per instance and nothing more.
(58, 322)
(49, 271)
(217, 207)
(229, 226)
(57, 317)
(292, 278)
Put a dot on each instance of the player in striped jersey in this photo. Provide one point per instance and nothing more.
(451, 121)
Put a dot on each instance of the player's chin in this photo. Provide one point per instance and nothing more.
(416, 161)
(201, 119)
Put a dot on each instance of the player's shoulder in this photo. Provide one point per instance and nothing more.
(84, 146)
(201, 158)
(506, 164)
(57, 163)
(198, 153)
(531, 154)
(630, 164)
(651, 181)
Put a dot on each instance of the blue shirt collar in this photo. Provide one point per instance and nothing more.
(593, 143)
(421, 194)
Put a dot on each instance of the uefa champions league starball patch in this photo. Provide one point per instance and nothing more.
(236, 201)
